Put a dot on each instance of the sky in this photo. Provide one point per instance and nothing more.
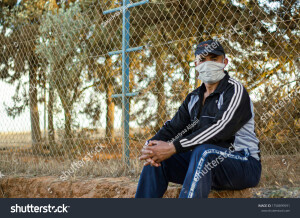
(7, 124)
(22, 123)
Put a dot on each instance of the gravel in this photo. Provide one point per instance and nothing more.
(276, 192)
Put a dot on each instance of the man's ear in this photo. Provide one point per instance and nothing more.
(225, 61)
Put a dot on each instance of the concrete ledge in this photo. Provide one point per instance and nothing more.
(122, 187)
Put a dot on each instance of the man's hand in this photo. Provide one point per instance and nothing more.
(161, 151)
(145, 156)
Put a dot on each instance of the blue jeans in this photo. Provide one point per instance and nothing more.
(200, 170)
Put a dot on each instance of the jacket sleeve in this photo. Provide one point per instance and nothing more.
(177, 126)
(233, 114)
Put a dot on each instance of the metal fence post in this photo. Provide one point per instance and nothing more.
(125, 72)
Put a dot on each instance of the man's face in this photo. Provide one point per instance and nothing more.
(210, 57)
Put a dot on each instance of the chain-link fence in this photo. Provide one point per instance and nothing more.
(59, 109)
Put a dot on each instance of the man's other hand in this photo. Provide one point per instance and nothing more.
(161, 151)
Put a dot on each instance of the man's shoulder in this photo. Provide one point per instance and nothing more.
(236, 86)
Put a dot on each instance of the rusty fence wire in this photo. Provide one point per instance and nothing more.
(58, 112)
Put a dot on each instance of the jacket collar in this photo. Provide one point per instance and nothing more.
(220, 88)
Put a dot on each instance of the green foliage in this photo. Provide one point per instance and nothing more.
(70, 43)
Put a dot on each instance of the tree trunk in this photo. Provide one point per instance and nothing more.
(178, 53)
(51, 133)
(110, 105)
(34, 111)
(68, 132)
(161, 98)
(186, 78)
(110, 108)
(67, 106)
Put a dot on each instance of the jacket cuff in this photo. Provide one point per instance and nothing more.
(178, 146)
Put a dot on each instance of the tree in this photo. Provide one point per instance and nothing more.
(105, 36)
(18, 56)
(63, 43)
(260, 39)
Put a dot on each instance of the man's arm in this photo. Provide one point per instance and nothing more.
(233, 114)
(176, 125)
(169, 131)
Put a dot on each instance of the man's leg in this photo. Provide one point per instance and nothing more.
(153, 181)
(212, 166)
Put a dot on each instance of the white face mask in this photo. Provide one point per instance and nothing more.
(210, 71)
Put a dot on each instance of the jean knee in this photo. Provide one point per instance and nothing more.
(174, 169)
(200, 149)
(166, 165)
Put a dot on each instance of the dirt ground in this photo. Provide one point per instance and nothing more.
(123, 187)
(27, 175)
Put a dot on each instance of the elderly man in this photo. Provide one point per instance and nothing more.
(210, 143)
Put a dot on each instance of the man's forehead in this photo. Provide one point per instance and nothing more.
(212, 55)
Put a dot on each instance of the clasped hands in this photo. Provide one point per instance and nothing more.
(157, 151)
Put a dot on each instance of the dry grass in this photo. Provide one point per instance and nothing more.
(278, 170)
(275, 171)
(106, 163)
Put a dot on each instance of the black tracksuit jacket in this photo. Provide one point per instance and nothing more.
(224, 112)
